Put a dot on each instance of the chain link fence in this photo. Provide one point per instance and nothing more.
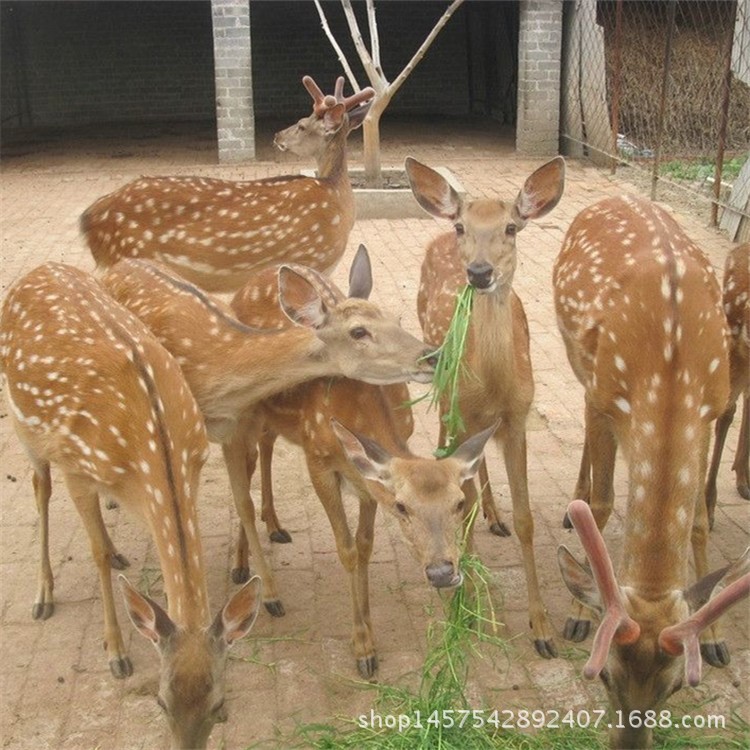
(663, 86)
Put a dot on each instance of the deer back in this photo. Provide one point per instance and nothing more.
(736, 299)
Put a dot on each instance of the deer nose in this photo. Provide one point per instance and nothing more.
(278, 143)
(442, 575)
(430, 358)
(480, 275)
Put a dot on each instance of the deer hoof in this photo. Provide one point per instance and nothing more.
(240, 575)
(545, 648)
(42, 610)
(121, 668)
(222, 716)
(111, 504)
(499, 529)
(367, 666)
(281, 536)
(118, 561)
(275, 608)
(576, 630)
(744, 490)
(567, 523)
(715, 654)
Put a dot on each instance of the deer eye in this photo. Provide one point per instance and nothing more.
(460, 505)
(459, 229)
(510, 230)
(359, 332)
(401, 508)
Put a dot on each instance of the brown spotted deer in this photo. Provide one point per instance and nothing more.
(215, 232)
(736, 298)
(497, 385)
(231, 367)
(424, 495)
(639, 310)
(94, 394)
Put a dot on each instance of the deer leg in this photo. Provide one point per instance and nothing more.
(241, 570)
(268, 512)
(235, 451)
(720, 436)
(714, 648)
(489, 509)
(327, 485)
(583, 484)
(44, 604)
(741, 465)
(601, 450)
(87, 503)
(514, 453)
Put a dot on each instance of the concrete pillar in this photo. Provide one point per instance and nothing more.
(539, 56)
(235, 114)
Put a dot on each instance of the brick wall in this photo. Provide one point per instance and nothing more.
(539, 44)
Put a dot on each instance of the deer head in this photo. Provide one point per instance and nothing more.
(486, 229)
(310, 136)
(644, 651)
(191, 688)
(425, 496)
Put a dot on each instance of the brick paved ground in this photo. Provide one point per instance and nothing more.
(57, 690)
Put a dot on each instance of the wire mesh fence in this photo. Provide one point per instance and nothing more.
(664, 86)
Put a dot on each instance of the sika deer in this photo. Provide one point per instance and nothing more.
(424, 495)
(92, 392)
(736, 300)
(215, 233)
(231, 367)
(639, 310)
(498, 383)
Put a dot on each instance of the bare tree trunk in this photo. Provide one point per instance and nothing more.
(371, 137)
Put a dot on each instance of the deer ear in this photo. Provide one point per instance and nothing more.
(579, 580)
(432, 190)
(469, 454)
(360, 274)
(237, 616)
(712, 584)
(149, 619)
(300, 300)
(357, 115)
(370, 459)
(333, 118)
(541, 192)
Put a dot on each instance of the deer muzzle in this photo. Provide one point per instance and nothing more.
(443, 575)
(481, 276)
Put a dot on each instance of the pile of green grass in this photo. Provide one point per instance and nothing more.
(450, 368)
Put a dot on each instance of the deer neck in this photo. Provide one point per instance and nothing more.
(490, 354)
(332, 161)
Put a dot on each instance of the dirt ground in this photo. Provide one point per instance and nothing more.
(57, 691)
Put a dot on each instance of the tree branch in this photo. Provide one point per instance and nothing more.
(419, 54)
(372, 22)
(377, 79)
(339, 52)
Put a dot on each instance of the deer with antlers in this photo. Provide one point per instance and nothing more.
(496, 386)
(639, 310)
(93, 393)
(329, 418)
(736, 298)
(215, 232)
(231, 367)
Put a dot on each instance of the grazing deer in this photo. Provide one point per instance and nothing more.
(231, 367)
(423, 494)
(215, 233)
(736, 299)
(639, 310)
(497, 384)
(92, 392)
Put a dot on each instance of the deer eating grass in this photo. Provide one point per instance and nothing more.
(639, 310)
(736, 298)
(215, 232)
(497, 384)
(328, 418)
(231, 367)
(93, 393)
